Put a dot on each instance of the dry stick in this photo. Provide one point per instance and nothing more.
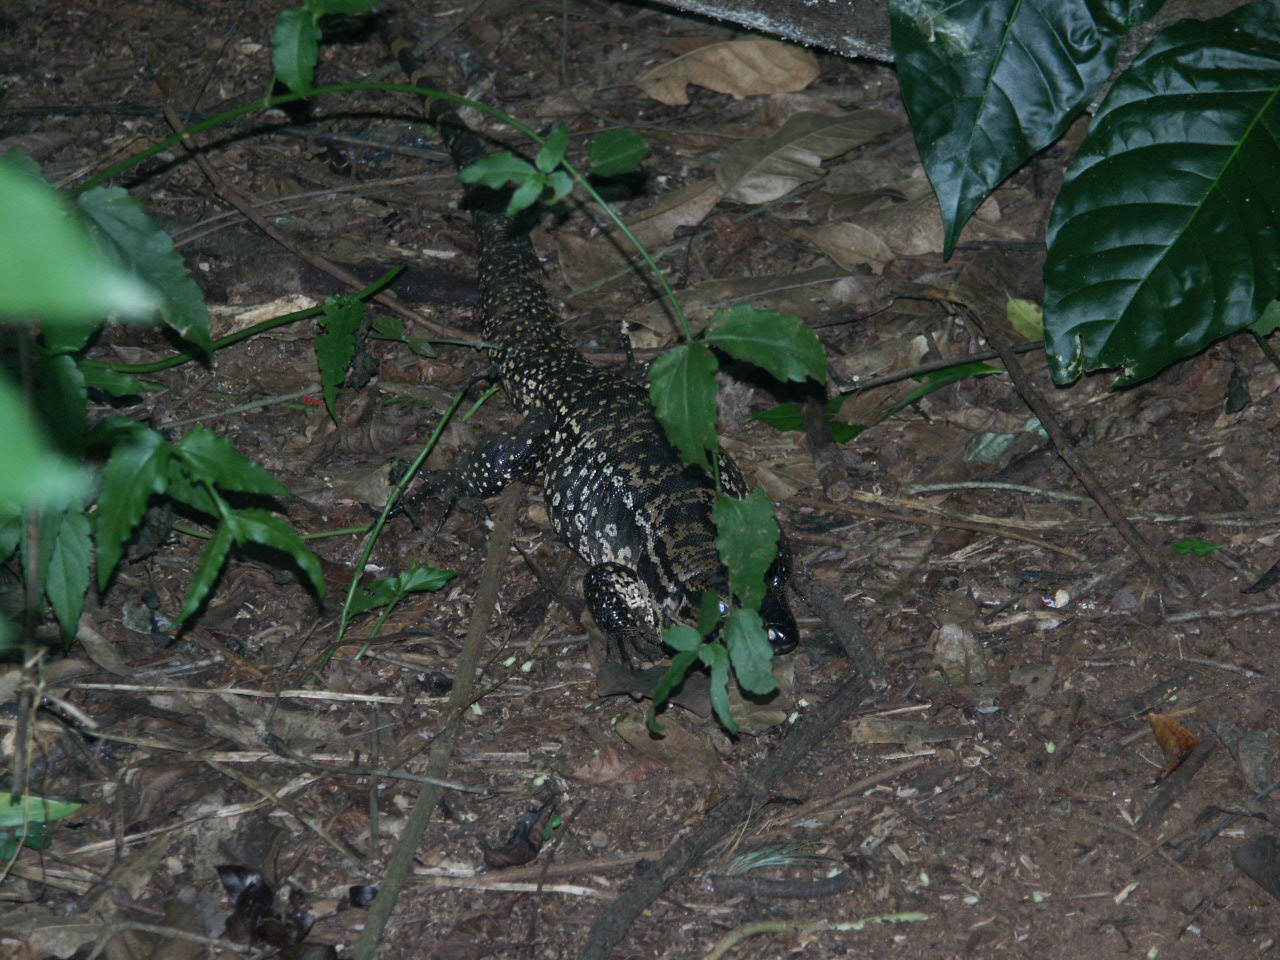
(613, 920)
(241, 203)
(1034, 399)
(460, 698)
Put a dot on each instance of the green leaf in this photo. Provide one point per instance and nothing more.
(716, 657)
(1269, 322)
(14, 810)
(710, 613)
(149, 252)
(937, 379)
(258, 526)
(295, 46)
(790, 417)
(31, 473)
(1166, 233)
(552, 153)
(207, 571)
(206, 454)
(1192, 546)
(988, 83)
(679, 669)
(137, 468)
(777, 342)
(49, 268)
(1026, 318)
(525, 195)
(66, 575)
(62, 401)
(336, 347)
(348, 7)
(561, 185)
(682, 637)
(109, 381)
(682, 386)
(747, 539)
(750, 651)
(391, 590)
(615, 152)
(498, 170)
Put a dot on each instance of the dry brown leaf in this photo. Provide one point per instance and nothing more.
(684, 753)
(742, 68)
(1176, 741)
(612, 766)
(849, 245)
(763, 169)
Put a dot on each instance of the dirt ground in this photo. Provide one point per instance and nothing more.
(1004, 783)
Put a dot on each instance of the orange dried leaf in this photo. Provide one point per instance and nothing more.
(1176, 741)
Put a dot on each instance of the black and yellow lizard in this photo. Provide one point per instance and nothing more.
(616, 489)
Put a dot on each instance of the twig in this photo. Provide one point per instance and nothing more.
(460, 697)
(612, 922)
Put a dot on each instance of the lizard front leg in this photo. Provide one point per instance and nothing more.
(622, 606)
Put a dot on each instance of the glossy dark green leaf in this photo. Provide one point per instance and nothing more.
(149, 252)
(682, 385)
(1166, 234)
(336, 347)
(747, 539)
(681, 663)
(776, 342)
(750, 652)
(615, 152)
(295, 44)
(988, 83)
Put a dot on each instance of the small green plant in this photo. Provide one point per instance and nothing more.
(24, 822)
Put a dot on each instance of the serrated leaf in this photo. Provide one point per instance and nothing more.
(15, 810)
(1166, 233)
(388, 326)
(206, 454)
(776, 342)
(66, 575)
(679, 669)
(149, 252)
(682, 386)
(31, 473)
(336, 347)
(207, 570)
(747, 540)
(136, 469)
(750, 652)
(258, 526)
(716, 657)
(552, 153)
(295, 45)
(614, 152)
(988, 83)
(49, 268)
(498, 170)
(760, 170)
(111, 382)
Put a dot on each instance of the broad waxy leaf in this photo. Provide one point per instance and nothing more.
(777, 342)
(747, 540)
(987, 83)
(682, 386)
(295, 44)
(49, 268)
(149, 251)
(1166, 235)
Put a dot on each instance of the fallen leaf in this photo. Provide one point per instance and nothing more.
(741, 68)
(612, 766)
(1176, 741)
(766, 168)
(686, 754)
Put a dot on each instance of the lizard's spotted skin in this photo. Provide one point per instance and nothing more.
(616, 490)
